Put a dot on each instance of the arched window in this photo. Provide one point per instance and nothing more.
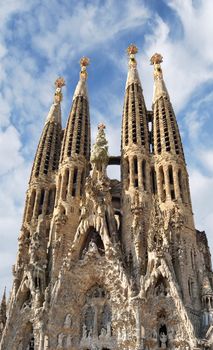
(74, 184)
(41, 201)
(51, 200)
(135, 165)
(65, 185)
(31, 205)
(153, 180)
(162, 184)
(171, 182)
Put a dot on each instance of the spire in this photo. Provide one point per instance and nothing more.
(132, 76)
(134, 121)
(81, 88)
(55, 109)
(47, 155)
(160, 89)
(77, 133)
(166, 133)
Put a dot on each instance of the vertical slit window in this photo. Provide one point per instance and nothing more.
(74, 185)
(180, 183)
(65, 185)
(144, 174)
(51, 201)
(171, 182)
(82, 183)
(153, 180)
(162, 184)
(41, 201)
(31, 205)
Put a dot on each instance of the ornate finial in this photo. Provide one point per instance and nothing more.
(132, 50)
(101, 126)
(84, 62)
(59, 83)
(156, 60)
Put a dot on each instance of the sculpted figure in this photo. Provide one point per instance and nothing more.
(68, 321)
(60, 341)
(163, 340)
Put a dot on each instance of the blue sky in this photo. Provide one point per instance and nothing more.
(41, 40)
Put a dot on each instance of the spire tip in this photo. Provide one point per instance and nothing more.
(59, 83)
(132, 50)
(84, 62)
(157, 58)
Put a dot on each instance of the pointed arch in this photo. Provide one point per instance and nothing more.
(92, 240)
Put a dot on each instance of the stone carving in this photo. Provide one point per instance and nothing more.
(99, 155)
(68, 321)
(163, 340)
(60, 341)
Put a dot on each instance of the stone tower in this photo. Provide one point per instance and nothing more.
(106, 264)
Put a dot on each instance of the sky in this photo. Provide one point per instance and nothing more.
(43, 39)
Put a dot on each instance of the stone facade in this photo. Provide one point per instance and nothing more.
(106, 264)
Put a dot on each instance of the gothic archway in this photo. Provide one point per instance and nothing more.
(93, 241)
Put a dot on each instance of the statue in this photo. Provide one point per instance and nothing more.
(68, 321)
(84, 331)
(60, 341)
(99, 154)
(69, 341)
(103, 333)
(163, 340)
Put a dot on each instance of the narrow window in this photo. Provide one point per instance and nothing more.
(59, 189)
(135, 165)
(153, 180)
(180, 183)
(51, 201)
(74, 185)
(144, 174)
(41, 201)
(162, 184)
(31, 205)
(171, 182)
(82, 183)
(65, 185)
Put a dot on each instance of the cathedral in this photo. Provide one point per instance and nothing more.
(104, 264)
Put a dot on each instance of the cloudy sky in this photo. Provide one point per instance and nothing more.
(40, 40)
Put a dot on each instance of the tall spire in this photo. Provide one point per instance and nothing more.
(132, 76)
(77, 133)
(172, 177)
(166, 133)
(73, 167)
(48, 151)
(81, 88)
(134, 121)
(55, 110)
(135, 167)
(160, 89)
